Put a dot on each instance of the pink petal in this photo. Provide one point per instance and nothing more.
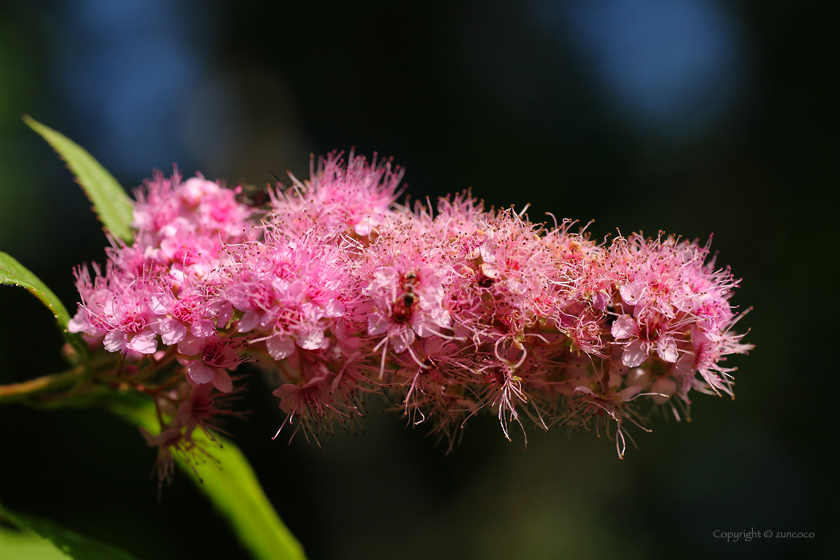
(115, 341)
(286, 390)
(171, 330)
(286, 393)
(667, 349)
(377, 323)
(685, 365)
(157, 306)
(190, 345)
(385, 276)
(144, 342)
(486, 249)
(599, 301)
(222, 380)
(630, 292)
(634, 354)
(339, 329)
(248, 321)
(421, 325)
(628, 393)
(402, 338)
(516, 287)
(362, 228)
(665, 386)
(333, 309)
(699, 337)
(490, 270)
(441, 317)
(623, 327)
(312, 340)
(203, 328)
(79, 323)
(279, 346)
(225, 313)
(200, 372)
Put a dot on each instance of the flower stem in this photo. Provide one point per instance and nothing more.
(25, 390)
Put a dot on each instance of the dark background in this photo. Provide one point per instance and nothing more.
(688, 116)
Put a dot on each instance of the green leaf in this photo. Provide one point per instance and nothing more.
(232, 486)
(110, 202)
(68, 543)
(15, 274)
(23, 545)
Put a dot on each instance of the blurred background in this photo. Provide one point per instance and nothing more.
(689, 116)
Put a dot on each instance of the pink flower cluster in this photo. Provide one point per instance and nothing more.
(445, 310)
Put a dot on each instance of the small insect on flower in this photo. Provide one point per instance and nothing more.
(404, 306)
(253, 195)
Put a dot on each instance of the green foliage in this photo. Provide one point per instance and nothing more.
(43, 539)
(110, 202)
(231, 484)
(23, 545)
(15, 274)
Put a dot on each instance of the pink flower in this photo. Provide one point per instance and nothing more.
(289, 290)
(343, 292)
(215, 357)
(644, 337)
(357, 196)
(406, 303)
(175, 316)
(119, 313)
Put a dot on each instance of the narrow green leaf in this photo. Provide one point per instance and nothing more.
(15, 274)
(24, 545)
(233, 488)
(110, 202)
(69, 543)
